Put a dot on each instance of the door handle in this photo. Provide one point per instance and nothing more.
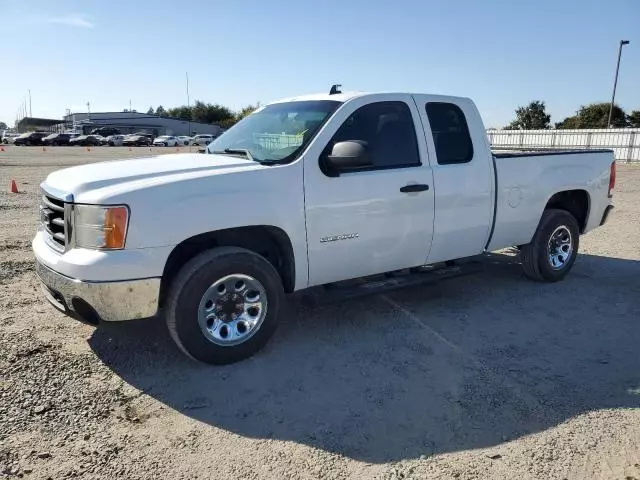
(418, 187)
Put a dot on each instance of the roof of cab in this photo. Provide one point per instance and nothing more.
(338, 97)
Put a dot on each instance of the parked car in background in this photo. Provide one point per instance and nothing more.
(31, 138)
(204, 139)
(185, 140)
(150, 136)
(136, 141)
(57, 139)
(105, 131)
(166, 141)
(86, 140)
(115, 140)
(9, 138)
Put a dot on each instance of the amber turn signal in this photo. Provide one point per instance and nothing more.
(115, 227)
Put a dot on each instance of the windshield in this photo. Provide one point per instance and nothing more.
(277, 132)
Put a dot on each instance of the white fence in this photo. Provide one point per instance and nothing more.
(625, 142)
(276, 141)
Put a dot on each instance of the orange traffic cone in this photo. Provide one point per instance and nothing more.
(13, 186)
(1, 149)
(88, 149)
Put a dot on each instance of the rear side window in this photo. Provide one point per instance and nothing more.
(387, 129)
(450, 133)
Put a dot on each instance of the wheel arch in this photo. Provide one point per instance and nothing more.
(577, 202)
(271, 242)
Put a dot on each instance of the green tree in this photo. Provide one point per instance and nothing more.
(244, 111)
(228, 123)
(208, 113)
(531, 117)
(183, 112)
(634, 118)
(248, 110)
(595, 115)
(150, 111)
(3, 126)
(569, 123)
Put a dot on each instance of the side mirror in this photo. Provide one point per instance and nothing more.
(349, 155)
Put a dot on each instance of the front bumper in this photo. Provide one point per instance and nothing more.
(93, 302)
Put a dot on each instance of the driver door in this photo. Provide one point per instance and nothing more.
(367, 221)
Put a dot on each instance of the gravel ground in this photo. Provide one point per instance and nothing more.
(486, 376)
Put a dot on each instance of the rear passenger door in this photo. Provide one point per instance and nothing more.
(463, 176)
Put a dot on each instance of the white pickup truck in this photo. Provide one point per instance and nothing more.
(305, 192)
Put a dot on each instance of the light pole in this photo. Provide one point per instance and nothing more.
(615, 82)
(186, 74)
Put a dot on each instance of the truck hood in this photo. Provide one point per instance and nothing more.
(100, 181)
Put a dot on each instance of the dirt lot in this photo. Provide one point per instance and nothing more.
(486, 376)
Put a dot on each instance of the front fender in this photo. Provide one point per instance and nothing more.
(168, 214)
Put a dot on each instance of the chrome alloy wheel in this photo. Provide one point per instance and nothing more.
(560, 247)
(232, 310)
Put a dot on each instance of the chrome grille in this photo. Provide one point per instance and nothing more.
(52, 218)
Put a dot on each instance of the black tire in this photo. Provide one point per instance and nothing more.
(535, 255)
(191, 283)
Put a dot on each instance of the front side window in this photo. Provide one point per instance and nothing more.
(277, 132)
(388, 132)
(450, 133)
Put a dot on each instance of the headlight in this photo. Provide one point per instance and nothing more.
(101, 227)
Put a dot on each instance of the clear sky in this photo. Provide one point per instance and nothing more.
(500, 53)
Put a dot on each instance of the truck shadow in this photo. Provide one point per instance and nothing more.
(467, 363)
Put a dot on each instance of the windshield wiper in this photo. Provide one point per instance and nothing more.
(235, 151)
(242, 151)
(246, 153)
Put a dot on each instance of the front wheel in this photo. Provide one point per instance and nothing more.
(554, 247)
(224, 305)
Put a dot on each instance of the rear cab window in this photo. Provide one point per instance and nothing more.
(450, 132)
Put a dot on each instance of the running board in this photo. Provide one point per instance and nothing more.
(349, 289)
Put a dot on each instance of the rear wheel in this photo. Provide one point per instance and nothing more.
(554, 247)
(224, 305)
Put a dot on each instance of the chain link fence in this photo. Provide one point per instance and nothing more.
(625, 142)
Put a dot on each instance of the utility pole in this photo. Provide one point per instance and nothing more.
(30, 112)
(88, 112)
(615, 82)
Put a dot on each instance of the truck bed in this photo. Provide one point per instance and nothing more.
(527, 180)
